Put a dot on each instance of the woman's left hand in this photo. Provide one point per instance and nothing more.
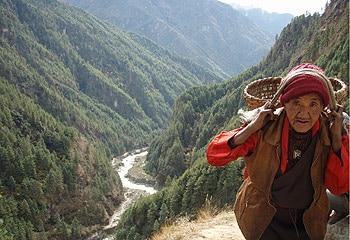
(336, 119)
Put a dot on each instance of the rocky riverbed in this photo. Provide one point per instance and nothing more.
(137, 183)
(138, 175)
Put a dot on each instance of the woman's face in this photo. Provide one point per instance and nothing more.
(304, 111)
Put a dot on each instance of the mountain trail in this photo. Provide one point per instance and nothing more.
(223, 226)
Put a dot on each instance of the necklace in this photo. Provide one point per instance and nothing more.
(297, 145)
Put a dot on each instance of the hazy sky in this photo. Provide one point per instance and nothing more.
(295, 7)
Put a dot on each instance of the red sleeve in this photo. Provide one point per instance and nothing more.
(219, 153)
(337, 172)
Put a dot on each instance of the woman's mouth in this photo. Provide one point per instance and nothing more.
(302, 121)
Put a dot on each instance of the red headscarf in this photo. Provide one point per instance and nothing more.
(303, 84)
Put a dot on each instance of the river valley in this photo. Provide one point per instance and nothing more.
(136, 184)
(133, 190)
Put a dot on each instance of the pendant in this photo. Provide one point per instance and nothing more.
(296, 154)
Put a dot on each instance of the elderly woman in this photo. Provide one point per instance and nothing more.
(292, 156)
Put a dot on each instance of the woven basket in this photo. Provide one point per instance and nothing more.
(258, 92)
(340, 90)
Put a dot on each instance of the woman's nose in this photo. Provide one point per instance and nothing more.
(303, 110)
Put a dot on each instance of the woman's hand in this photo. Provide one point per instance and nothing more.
(263, 115)
(336, 119)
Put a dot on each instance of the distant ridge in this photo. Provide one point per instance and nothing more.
(208, 32)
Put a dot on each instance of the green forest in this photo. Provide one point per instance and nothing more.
(76, 91)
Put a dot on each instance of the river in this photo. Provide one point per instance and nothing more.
(127, 163)
(132, 190)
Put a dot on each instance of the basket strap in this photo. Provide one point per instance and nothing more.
(312, 72)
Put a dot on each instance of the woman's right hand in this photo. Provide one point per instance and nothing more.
(263, 115)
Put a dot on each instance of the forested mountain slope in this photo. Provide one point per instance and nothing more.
(91, 75)
(202, 112)
(209, 32)
(75, 91)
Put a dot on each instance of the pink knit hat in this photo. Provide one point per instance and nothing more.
(303, 83)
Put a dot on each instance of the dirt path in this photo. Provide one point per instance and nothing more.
(222, 226)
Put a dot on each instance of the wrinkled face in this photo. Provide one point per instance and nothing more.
(304, 111)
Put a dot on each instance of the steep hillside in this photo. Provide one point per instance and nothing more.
(74, 92)
(54, 181)
(89, 74)
(207, 31)
(202, 112)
